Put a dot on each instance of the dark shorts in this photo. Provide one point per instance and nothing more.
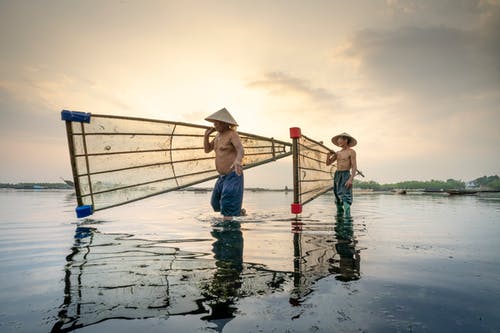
(342, 193)
(227, 196)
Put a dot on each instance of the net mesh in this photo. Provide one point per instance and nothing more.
(314, 176)
(117, 160)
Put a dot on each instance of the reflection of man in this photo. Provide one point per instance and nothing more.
(226, 282)
(228, 191)
(349, 262)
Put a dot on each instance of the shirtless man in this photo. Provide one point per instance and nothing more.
(227, 196)
(346, 170)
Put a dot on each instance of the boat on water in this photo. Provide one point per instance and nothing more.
(68, 182)
(461, 192)
(431, 190)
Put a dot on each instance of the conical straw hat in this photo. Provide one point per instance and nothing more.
(222, 115)
(352, 142)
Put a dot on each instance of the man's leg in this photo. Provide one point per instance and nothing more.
(232, 196)
(338, 202)
(345, 194)
(216, 195)
(347, 208)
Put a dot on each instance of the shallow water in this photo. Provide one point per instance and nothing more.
(414, 263)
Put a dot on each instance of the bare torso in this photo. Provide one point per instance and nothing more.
(344, 159)
(225, 151)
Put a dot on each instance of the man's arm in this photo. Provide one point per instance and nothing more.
(354, 168)
(209, 146)
(240, 152)
(331, 157)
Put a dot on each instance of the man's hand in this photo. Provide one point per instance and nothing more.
(207, 145)
(348, 183)
(237, 168)
(209, 130)
(330, 157)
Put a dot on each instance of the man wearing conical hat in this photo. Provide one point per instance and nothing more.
(346, 170)
(227, 195)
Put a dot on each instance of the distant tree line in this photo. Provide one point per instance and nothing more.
(492, 182)
(29, 186)
(486, 182)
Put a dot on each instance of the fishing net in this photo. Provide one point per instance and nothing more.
(312, 177)
(117, 160)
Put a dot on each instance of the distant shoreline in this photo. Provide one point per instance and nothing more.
(36, 186)
(356, 190)
(482, 184)
(65, 186)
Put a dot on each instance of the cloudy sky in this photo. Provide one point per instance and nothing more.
(416, 82)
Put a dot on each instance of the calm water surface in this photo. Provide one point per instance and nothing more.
(414, 263)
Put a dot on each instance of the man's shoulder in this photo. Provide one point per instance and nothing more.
(348, 151)
(229, 135)
(229, 131)
(234, 133)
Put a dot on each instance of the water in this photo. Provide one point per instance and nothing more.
(414, 263)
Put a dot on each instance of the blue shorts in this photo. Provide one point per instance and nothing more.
(342, 193)
(227, 196)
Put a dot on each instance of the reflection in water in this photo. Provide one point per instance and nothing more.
(347, 265)
(224, 288)
(113, 276)
(116, 276)
(319, 253)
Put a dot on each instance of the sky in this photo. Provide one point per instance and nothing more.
(417, 83)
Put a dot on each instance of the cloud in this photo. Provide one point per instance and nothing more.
(437, 61)
(283, 84)
(35, 98)
(424, 11)
(295, 101)
(23, 118)
(292, 101)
